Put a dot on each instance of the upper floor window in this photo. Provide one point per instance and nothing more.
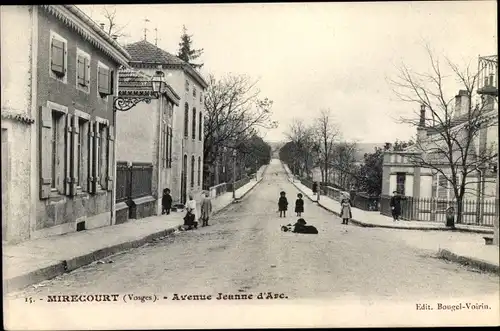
(194, 91)
(186, 119)
(187, 85)
(193, 129)
(201, 97)
(58, 57)
(200, 126)
(82, 71)
(104, 80)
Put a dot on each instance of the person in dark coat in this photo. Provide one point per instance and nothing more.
(299, 205)
(282, 204)
(166, 202)
(396, 206)
(315, 187)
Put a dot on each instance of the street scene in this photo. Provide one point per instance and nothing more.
(161, 170)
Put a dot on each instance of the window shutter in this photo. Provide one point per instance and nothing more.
(75, 161)
(111, 163)
(81, 70)
(103, 81)
(57, 57)
(45, 151)
(111, 82)
(90, 181)
(95, 157)
(68, 155)
(87, 71)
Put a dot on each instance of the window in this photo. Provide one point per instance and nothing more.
(201, 97)
(103, 155)
(194, 91)
(57, 142)
(58, 57)
(187, 85)
(193, 129)
(186, 120)
(104, 80)
(200, 126)
(82, 71)
(82, 153)
(400, 182)
(199, 170)
(192, 171)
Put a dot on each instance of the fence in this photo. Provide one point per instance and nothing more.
(238, 184)
(434, 210)
(217, 190)
(133, 182)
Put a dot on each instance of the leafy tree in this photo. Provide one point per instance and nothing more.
(186, 51)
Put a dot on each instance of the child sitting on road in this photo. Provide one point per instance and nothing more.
(282, 204)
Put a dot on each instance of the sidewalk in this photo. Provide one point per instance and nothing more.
(33, 261)
(472, 252)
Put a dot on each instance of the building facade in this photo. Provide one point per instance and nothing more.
(144, 147)
(62, 76)
(187, 157)
(402, 174)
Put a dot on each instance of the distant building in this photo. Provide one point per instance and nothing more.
(59, 72)
(187, 157)
(144, 147)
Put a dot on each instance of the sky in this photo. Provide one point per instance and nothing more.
(313, 56)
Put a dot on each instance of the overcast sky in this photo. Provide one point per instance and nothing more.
(322, 55)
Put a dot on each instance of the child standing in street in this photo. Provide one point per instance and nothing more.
(166, 202)
(345, 211)
(282, 204)
(299, 205)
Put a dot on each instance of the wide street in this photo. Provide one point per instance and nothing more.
(243, 250)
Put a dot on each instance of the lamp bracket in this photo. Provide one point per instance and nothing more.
(124, 103)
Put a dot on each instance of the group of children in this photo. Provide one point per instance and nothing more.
(283, 204)
(345, 203)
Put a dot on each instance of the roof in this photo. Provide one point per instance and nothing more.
(76, 19)
(143, 52)
(132, 82)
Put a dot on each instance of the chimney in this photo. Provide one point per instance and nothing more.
(421, 130)
(461, 103)
(114, 37)
(102, 25)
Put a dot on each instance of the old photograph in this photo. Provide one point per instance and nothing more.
(250, 165)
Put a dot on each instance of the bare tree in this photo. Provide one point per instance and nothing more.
(326, 134)
(113, 29)
(344, 163)
(302, 138)
(235, 112)
(449, 140)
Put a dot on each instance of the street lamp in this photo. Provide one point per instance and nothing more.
(126, 101)
(234, 173)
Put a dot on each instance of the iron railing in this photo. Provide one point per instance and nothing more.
(217, 190)
(133, 182)
(434, 210)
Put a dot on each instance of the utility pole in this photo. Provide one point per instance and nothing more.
(234, 173)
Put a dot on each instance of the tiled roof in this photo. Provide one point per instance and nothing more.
(133, 81)
(144, 51)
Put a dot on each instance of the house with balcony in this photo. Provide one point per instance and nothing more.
(187, 156)
(144, 143)
(59, 71)
(427, 189)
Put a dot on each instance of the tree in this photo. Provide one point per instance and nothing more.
(303, 147)
(326, 133)
(186, 51)
(453, 130)
(235, 112)
(344, 163)
(113, 29)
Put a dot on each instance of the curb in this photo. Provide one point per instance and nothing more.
(369, 225)
(469, 261)
(22, 281)
(64, 266)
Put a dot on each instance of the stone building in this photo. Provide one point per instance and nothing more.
(144, 144)
(59, 72)
(187, 157)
